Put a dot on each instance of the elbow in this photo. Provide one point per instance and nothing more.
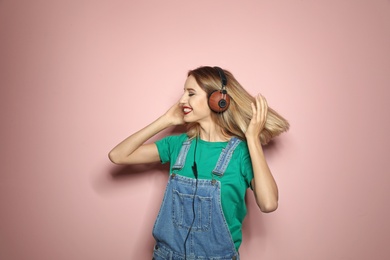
(269, 207)
(267, 201)
(113, 157)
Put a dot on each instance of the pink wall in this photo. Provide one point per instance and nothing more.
(77, 77)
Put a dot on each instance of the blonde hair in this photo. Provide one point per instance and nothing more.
(235, 120)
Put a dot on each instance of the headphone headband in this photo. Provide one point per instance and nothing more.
(222, 76)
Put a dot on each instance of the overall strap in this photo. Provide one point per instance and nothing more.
(225, 156)
(181, 158)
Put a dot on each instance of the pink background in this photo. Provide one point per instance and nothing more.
(78, 76)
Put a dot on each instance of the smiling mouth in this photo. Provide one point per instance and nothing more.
(186, 110)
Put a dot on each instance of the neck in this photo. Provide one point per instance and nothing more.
(212, 133)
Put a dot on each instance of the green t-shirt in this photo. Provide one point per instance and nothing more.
(234, 182)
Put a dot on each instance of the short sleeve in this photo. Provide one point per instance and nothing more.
(246, 166)
(168, 147)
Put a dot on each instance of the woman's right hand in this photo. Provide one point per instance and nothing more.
(175, 115)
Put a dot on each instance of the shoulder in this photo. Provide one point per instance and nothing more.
(242, 153)
(177, 138)
(169, 146)
(172, 140)
(245, 162)
(242, 147)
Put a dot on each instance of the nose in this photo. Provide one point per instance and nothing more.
(183, 99)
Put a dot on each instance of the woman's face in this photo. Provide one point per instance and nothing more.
(194, 102)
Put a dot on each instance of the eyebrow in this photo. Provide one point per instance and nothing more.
(189, 89)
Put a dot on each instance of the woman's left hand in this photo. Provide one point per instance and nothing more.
(259, 117)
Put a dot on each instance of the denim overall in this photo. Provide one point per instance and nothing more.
(208, 234)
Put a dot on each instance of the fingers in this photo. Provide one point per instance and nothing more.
(259, 116)
(254, 110)
(264, 107)
(261, 108)
(258, 107)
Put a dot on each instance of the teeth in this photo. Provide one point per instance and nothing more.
(186, 110)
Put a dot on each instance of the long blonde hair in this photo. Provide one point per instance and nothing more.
(235, 120)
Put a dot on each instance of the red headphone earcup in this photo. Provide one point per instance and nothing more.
(218, 101)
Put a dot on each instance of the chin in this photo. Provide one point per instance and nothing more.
(188, 119)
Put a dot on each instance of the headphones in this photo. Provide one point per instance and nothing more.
(219, 100)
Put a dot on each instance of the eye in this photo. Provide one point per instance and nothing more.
(191, 94)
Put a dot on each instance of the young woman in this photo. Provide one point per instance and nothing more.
(211, 166)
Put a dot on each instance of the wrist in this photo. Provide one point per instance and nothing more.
(164, 122)
(253, 141)
(251, 137)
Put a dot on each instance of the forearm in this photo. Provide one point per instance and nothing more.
(123, 152)
(264, 185)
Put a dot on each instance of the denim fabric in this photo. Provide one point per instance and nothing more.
(223, 160)
(181, 158)
(225, 156)
(209, 237)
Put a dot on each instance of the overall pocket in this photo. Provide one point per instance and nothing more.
(183, 216)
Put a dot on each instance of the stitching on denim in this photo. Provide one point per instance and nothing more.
(223, 159)
(225, 156)
(179, 164)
